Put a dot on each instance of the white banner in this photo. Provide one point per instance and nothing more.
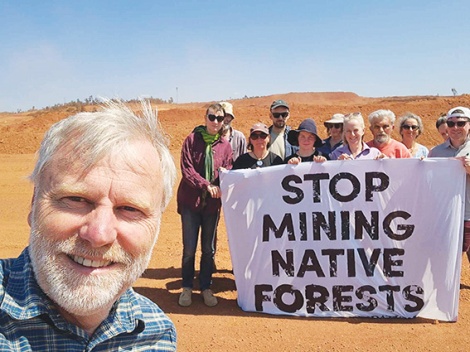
(368, 238)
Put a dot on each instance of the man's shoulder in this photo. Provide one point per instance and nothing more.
(149, 309)
(145, 303)
(401, 149)
(440, 150)
(237, 133)
(466, 146)
(155, 320)
(5, 267)
(19, 291)
(397, 145)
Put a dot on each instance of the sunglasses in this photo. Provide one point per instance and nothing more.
(215, 117)
(277, 115)
(335, 125)
(255, 136)
(410, 127)
(458, 123)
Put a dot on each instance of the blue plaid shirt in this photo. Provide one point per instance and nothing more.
(30, 322)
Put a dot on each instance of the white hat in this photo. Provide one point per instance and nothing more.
(336, 118)
(459, 111)
(228, 108)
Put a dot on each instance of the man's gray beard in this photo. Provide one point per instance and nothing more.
(382, 139)
(72, 291)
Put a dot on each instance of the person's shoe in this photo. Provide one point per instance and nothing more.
(185, 297)
(209, 299)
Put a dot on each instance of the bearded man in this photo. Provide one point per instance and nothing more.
(382, 125)
(101, 183)
(279, 114)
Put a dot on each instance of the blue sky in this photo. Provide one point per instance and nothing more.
(57, 51)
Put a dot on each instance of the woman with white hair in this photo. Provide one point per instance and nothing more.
(353, 144)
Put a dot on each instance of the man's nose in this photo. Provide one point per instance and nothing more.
(100, 228)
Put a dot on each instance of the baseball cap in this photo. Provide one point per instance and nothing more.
(336, 118)
(259, 127)
(228, 108)
(278, 103)
(459, 111)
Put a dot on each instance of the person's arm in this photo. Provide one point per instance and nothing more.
(223, 159)
(189, 173)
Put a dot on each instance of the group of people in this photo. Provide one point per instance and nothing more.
(101, 183)
(216, 145)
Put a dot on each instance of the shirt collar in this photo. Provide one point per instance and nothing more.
(449, 145)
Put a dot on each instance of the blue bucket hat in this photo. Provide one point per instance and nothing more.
(307, 125)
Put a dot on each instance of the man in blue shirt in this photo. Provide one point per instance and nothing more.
(457, 146)
(101, 183)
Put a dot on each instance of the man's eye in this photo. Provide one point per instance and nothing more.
(128, 208)
(130, 212)
(76, 199)
(74, 202)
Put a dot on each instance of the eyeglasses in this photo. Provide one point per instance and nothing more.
(458, 123)
(410, 127)
(215, 117)
(335, 125)
(255, 136)
(277, 115)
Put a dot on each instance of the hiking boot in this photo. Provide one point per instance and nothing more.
(209, 299)
(185, 297)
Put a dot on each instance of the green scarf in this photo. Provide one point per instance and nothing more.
(209, 139)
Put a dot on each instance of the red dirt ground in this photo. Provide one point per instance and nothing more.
(226, 327)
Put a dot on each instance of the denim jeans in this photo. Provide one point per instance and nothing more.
(193, 221)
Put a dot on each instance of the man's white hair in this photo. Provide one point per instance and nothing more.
(93, 135)
(380, 115)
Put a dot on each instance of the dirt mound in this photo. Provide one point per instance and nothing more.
(22, 133)
(325, 98)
